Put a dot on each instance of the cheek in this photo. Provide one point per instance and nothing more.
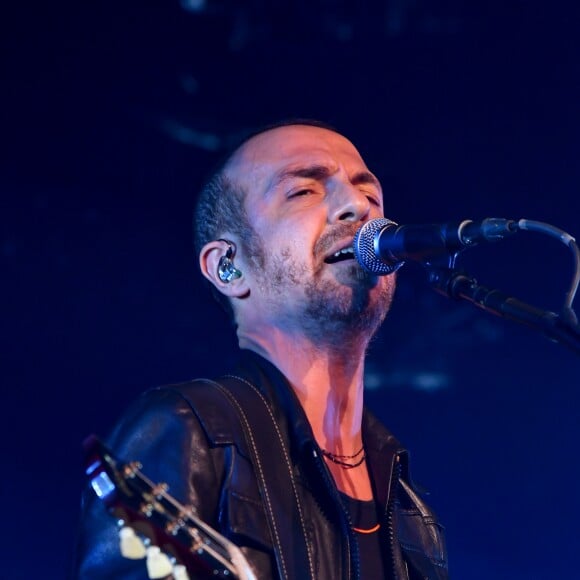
(284, 233)
(292, 231)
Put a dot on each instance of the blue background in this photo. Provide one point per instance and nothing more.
(112, 113)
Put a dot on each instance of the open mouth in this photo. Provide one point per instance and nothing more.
(341, 256)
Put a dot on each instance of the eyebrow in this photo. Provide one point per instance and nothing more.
(321, 172)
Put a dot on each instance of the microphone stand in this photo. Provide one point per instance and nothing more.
(562, 328)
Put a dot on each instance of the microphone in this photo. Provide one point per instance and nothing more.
(381, 246)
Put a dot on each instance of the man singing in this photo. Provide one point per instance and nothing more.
(280, 455)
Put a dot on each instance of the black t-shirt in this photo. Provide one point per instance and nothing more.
(365, 521)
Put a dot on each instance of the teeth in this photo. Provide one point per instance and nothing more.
(343, 251)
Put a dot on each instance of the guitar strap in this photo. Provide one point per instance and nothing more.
(274, 474)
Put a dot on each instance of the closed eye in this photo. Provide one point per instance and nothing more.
(300, 193)
(373, 199)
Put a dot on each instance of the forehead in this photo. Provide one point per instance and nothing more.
(258, 161)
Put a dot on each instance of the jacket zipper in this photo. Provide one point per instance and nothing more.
(390, 514)
(352, 559)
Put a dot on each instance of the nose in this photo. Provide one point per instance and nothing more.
(349, 204)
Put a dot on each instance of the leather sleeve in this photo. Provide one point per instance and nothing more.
(162, 432)
(420, 536)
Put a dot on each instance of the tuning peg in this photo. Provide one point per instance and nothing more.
(158, 564)
(180, 573)
(130, 544)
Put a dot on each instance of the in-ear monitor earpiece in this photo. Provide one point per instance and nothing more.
(226, 270)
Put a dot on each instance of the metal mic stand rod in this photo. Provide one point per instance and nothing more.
(459, 285)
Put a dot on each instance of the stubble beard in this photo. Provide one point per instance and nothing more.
(350, 309)
(336, 310)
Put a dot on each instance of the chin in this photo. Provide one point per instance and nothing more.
(353, 307)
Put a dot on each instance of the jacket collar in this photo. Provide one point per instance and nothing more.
(381, 446)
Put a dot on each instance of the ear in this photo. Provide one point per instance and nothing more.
(209, 259)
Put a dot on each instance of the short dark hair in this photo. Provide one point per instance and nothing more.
(220, 208)
(221, 202)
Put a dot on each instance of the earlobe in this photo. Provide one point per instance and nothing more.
(216, 261)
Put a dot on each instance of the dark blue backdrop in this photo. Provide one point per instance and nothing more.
(111, 116)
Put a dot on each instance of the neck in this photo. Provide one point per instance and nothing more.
(327, 379)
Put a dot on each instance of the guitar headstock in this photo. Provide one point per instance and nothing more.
(175, 539)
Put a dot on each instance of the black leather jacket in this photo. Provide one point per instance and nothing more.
(201, 454)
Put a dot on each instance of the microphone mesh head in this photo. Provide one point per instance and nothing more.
(366, 251)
